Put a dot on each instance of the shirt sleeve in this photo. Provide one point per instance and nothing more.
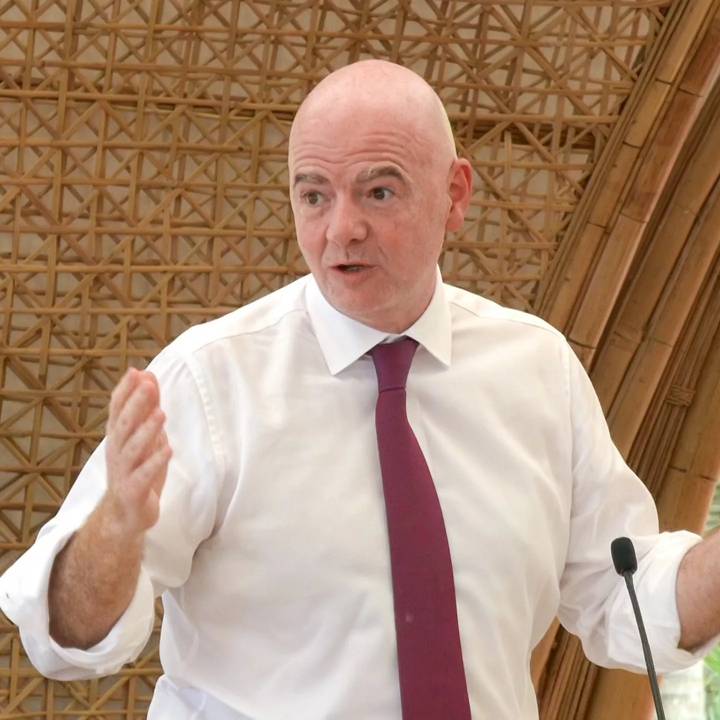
(188, 508)
(610, 501)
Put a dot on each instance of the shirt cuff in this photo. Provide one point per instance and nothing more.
(656, 586)
(24, 599)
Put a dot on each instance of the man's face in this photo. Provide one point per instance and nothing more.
(371, 205)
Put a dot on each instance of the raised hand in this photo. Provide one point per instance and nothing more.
(137, 452)
(95, 575)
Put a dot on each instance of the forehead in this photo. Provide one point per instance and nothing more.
(342, 137)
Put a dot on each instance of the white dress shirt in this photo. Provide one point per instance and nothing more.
(271, 550)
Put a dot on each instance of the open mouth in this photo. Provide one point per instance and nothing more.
(351, 268)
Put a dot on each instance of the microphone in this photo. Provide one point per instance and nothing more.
(625, 561)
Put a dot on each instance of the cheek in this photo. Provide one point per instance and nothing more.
(310, 240)
(413, 241)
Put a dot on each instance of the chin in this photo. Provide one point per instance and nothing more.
(362, 315)
(356, 311)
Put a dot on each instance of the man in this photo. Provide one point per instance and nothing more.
(254, 501)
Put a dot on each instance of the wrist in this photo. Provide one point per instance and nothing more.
(115, 522)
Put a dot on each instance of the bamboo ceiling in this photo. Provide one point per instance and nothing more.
(143, 189)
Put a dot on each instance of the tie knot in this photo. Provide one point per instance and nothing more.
(392, 363)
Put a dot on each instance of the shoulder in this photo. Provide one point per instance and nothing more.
(469, 308)
(253, 320)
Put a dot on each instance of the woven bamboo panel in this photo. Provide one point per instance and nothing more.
(143, 189)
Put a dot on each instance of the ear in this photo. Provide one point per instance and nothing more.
(459, 191)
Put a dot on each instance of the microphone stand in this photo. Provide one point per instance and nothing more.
(625, 561)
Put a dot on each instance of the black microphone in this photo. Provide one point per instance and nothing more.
(625, 561)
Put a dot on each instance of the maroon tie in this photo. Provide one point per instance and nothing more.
(432, 677)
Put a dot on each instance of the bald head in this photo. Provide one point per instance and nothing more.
(377, 88)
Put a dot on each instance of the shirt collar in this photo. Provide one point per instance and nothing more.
(344, 340)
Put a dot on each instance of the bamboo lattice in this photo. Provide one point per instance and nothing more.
(143, 189)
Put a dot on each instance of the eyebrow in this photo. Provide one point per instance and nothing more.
(365, 176)
(310, 178)
(380, 171)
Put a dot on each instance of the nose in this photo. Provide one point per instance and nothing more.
(346, 223)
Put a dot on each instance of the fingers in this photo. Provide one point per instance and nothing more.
(121, 393)
(135, 427)
(138, 451)
(152, 470)
(135, 404)
(146, 438)
(147, 480)
(138, 496)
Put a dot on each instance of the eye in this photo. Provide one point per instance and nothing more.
(312, 198)
(381, 193)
